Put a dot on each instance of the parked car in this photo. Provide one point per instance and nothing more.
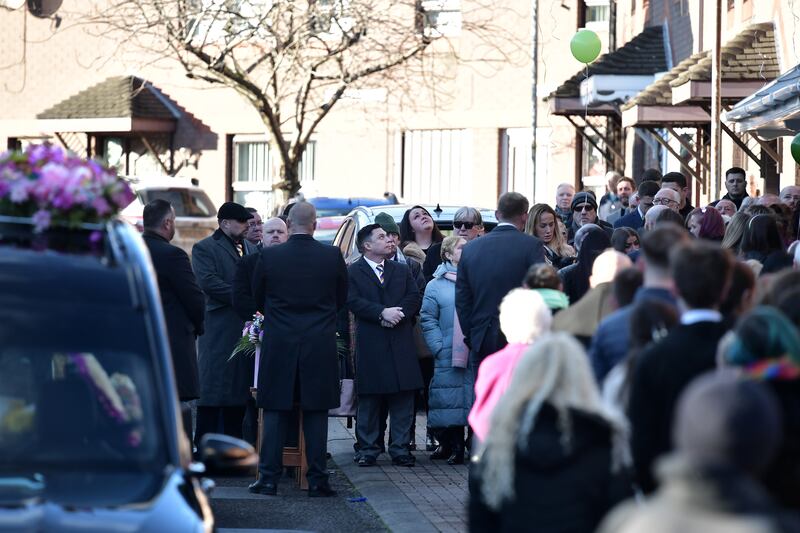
(331, 211)
(359, 217)
(90, 430)
(195, 214)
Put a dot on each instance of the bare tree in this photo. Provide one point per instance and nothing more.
(293, 60)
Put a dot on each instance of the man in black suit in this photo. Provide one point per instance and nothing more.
(181, 298)
(305, 285)
(489, 268)
(635, 219)
(383, 297)
(701, 273)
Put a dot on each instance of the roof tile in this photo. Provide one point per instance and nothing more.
(117, 97)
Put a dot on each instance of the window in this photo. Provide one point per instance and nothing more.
(256, 170)
(330, 17)
(597, 14)
(437, 166)
(439, 18)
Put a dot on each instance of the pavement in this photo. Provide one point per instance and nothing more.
(428, 497)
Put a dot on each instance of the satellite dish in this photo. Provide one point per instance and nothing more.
(43, 8)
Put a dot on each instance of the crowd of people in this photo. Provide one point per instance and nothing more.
(583, 358)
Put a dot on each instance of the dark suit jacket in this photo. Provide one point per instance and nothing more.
(489, 268)
(304, 283)
(662, 372)
(631, 220)
(183, 304)
(386, 358)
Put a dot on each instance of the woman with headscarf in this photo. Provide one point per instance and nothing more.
(766, 347)
(554, 459)
(591, 241)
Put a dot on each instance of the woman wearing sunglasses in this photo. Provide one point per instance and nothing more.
(542, 224)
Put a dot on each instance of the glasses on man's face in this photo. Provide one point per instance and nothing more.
(664, 201)
(583, 207)
(463, 225)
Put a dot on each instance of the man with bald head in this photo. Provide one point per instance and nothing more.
(564, 194)
(304, 286)
(726, 207)
(275, 232)
(651, 216)
(790, 196)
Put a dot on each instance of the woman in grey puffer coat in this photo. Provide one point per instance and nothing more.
(452, 386)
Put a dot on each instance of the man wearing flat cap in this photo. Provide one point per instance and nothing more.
(388, 224)
(584, 211)
(224, 384)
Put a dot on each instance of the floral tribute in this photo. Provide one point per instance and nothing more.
(252, 335)
(57, 188)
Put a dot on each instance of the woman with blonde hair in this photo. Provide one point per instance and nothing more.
(542, 223)
(734, 231)
(553, 457)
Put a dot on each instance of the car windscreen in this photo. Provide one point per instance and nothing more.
(77, 389)
(187, 202)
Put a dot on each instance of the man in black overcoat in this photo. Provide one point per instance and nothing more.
(383, 297)
(701, 272)
(181, 298)
(489, 268)
(224, 382)
(304, 283)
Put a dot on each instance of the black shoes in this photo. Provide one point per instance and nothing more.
(366, 460)
(262, 487)
(441, 452)
(404, 460)
(321, 491)
(457, 458)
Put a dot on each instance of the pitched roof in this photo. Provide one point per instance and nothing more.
(644, 54)
(750, 56)
(659, 92)
(117, 97)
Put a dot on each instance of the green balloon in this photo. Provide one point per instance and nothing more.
(585, 46)
(796, 148)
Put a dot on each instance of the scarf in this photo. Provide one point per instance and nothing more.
(460, 350)
(778, 369)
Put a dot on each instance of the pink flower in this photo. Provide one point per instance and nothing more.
(41, 220)
(101, 206)
(20, 191)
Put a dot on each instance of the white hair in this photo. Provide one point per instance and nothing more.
(554, 370)
(607, 265)
(524, 316)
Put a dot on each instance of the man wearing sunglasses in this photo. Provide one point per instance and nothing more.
(584, 211)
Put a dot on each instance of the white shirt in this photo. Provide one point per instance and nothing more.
(372, 265)
(693, 316)
(505, 224)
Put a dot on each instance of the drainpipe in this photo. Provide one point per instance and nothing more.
(716, 100)
(534, 88)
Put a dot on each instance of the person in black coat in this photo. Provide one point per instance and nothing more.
(181, 298)
(490, 267)
(700, 271)
(591, 241)
(383, 297)
(305, 286)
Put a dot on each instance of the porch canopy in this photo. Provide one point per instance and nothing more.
(597, 90)
(682, 97)
(773, 111)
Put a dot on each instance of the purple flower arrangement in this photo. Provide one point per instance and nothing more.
(56, 188)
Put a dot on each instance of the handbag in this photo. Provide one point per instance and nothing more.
(347, 385)
(347, 399)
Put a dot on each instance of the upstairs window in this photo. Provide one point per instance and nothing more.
(597, 14)
(439, 18)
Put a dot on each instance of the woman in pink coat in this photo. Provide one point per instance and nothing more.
(524, 317)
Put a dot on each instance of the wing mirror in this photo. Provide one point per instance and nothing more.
(223, 455)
